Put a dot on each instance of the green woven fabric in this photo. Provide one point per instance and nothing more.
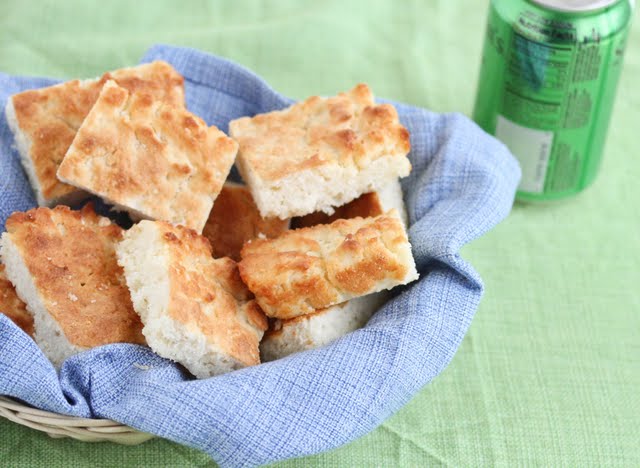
(549, 372)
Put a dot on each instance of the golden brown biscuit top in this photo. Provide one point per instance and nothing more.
(312, 268)
(364, 206)
(208, 295)
(347, 130)
(51, 116)
(158, 78)
(71, 258)
(12, 306)
(235, 219)
(159, 160)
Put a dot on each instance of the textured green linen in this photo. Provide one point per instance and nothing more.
(549, 372)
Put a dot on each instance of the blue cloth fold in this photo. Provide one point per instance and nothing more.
(463, 183)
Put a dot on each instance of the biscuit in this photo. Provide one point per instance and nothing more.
(195, 309)
(320, 153)
(63, 266)
(45, 121)
(149, 158)
(308, 269)
(235, 219)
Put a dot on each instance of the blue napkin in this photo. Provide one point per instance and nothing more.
(463, 183)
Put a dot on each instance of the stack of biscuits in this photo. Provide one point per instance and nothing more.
(214, 275)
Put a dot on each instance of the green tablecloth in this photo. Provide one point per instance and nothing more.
(550, 370)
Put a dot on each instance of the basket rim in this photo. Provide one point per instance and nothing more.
(59, 425)
(61, 419)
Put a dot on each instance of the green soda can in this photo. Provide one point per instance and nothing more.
(548, 80)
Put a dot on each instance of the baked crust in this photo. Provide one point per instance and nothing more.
(155, 160)
(50, 117)
(312, 268)
(347, 129)
(12, 306)
(235, 219)
(71, 258)
(207, 294)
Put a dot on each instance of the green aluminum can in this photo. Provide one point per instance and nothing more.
(548, 80)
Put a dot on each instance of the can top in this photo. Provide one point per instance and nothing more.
(577, 5)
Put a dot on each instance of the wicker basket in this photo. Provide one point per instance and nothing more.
(58, 426)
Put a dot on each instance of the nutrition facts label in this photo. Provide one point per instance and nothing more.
(547, 91)
(588, 61)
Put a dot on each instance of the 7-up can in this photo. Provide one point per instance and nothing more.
(547, 85)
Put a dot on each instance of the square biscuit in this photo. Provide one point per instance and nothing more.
(45, 121)
(235, 219)
(320, 153)
(147, 157)
(195, 309)
(63, 266)
(308, 269)
(12, 306)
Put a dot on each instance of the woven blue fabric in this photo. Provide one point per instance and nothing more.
(463, 183)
